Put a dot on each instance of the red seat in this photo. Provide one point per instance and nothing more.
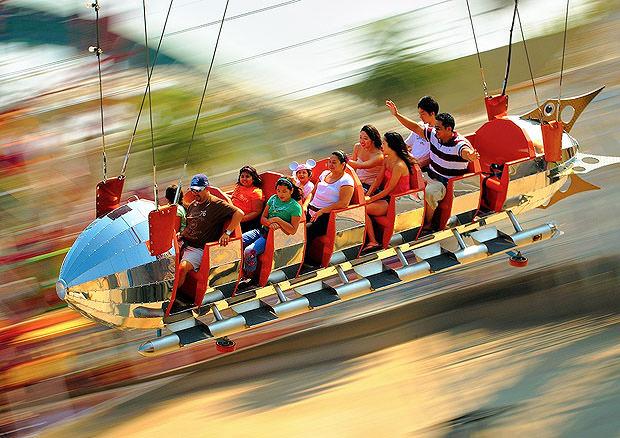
(501, 143)
(409, 220)
(345, 228)
(282, 252)
(466, 202)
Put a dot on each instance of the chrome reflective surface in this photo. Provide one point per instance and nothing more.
(533, 130)
(523, 178)
(409, 211)
(466, 194)
(288, 249)
(350, 225)
(224, 263)
(109, 272)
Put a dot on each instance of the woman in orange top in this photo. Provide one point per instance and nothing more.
(248, 196)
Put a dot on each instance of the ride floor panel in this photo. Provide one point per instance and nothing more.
(382, 279)
(258, 316)
(190, 335)
(322, 297)
(442, 261)
(499, 244)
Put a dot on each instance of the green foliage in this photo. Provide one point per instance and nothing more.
(395, 72)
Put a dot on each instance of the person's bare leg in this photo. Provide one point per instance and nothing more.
(377, 208)
(428, 217)
(184, 268)
(370, 231)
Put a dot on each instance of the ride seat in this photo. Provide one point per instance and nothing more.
(501, 143)
(462, 197)
(408, 217)
(282, 253)
(345, 228)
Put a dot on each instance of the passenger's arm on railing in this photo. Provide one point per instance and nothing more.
(346, 193)
(470, 154)
(235, 221)
(288, 228)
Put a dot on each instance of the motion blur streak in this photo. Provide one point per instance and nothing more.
(494, 351)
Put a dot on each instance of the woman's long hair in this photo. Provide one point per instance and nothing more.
(373, 135)
(256, 181)
(289, 183)
(395, 142)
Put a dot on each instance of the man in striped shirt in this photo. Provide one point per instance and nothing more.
(449, 157)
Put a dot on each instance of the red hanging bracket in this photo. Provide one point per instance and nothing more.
(162, 229)
(109, 195)
(552, 140)
(497, 106)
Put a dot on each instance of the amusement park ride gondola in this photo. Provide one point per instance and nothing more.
(121, 271)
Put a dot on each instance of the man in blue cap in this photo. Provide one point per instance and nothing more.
(206, 216)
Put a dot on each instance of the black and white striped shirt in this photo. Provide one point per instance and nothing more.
(446, 159)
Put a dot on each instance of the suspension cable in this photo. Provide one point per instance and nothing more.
(484, 82)
(529, 65)
(512, 26)
(97, 50)
(557, 113)
(147, 90)
(148, 64)
(204, 92)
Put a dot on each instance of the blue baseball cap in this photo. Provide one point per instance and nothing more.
(199, 182)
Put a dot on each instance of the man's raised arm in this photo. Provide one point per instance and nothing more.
(405, 121)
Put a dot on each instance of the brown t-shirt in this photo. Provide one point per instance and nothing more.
(205, 221)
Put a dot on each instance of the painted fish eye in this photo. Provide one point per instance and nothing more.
(549, 109)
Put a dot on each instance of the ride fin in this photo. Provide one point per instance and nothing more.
(569, 109)
(577, 185)
(161, 229)
(109, 195)
(585, 163)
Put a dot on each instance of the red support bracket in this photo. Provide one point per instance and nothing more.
(161, 229)
(497, 106)
(552, 140)
(109, 195)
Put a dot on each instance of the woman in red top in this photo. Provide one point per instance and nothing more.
(395, 176)
(248, 196)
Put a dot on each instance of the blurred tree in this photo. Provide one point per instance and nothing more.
(395, 71)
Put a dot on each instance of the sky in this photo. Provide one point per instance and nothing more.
(441, 30)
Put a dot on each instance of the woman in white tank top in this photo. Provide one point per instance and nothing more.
(367, 157)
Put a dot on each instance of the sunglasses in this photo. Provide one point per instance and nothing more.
(197, 190)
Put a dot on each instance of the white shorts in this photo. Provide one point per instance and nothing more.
(193, 255)
(435, 192)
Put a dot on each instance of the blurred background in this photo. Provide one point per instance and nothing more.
(293, 80)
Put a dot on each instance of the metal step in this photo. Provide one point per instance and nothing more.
(442, 261)
(382, 279)
(181, 309)
(199, 332)
(499, 244)
(258, 316)
(322, 297)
